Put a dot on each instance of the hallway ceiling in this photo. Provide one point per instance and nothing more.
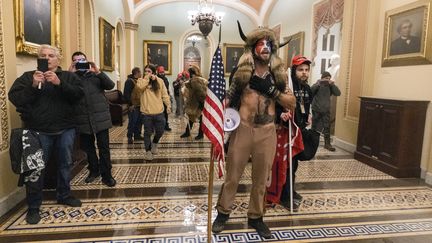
(255, 4)
(257, 10)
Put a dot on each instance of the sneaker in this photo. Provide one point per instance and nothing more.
(91, 177)
(296, 205)
(261, 228)
(109, 181)
(154, 148)
(33, 216)
(70, 201)
(219, 222)
(148, 155)
(199, 136)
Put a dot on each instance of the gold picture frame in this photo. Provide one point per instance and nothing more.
(36, 25)
(294, 47)
(158, 53)
(106, 45)
(231, 54)
(407, 35)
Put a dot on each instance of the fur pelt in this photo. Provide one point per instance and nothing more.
(246, 62)
(246, 67)
(194, 95)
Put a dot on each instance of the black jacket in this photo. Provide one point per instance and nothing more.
(50, 109)
(303, 94)
(93, 113)
(166, 82)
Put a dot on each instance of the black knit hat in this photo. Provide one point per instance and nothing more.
(325, 74)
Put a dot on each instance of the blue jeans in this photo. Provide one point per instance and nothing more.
(153, 123)
(63, 145)
(135, 123)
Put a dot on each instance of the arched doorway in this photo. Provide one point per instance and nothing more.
(192, 52)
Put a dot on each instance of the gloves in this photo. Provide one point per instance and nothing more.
(264, 86)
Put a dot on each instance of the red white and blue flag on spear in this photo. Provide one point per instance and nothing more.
(213, 113)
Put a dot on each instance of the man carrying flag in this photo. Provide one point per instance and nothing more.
(259, 83)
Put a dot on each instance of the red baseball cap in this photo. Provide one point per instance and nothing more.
(299, 60)
(186, 74)
(160, 69)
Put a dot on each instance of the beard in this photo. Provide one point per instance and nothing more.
(261, 60)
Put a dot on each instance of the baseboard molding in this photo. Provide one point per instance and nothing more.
(423, 173)
(428, 178)
(11, 200)
(344, 145)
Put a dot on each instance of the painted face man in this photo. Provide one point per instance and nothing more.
(262, 50)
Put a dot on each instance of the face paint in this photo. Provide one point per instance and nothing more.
(263, 49)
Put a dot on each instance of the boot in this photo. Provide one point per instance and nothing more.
(327, 144)
(200, 135)
(219, 223)
(187, 132)
(261, 228)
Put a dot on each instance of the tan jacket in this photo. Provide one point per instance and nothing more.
(152, 102)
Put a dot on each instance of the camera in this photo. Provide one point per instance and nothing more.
(82, 65)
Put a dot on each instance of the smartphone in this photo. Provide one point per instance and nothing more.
(323, 81)
(82, 66)
(42, 64)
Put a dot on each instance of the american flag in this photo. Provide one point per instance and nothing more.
(213, 113)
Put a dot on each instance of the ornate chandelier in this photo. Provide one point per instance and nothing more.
(205, 17)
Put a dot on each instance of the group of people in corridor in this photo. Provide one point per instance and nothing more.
(59, 104)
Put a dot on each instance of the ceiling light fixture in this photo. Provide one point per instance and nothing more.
(205, 17)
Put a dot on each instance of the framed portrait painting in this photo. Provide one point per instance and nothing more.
(158, 53)
(407, 35)
(37, 22)
(106, 45)
(231, 54)
(294, 47)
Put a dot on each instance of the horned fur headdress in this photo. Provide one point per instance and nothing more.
(246, 63)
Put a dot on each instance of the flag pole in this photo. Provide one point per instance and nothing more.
(210, 196)
(211, 177)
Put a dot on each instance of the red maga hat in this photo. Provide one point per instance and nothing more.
(160, 69)
(299, 60)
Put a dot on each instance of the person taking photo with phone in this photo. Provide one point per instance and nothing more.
(94, 118)
(154, 96)
(48, 112)
(322, 90)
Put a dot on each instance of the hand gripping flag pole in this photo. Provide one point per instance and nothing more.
(212, 124)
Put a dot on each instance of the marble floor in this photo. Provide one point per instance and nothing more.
(165, 200)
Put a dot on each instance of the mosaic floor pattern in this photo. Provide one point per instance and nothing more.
(141, 212)
(196, 174)
(118, 134)
(317, 233)
(165, 200)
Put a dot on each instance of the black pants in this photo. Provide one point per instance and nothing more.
(102, 164)
(189, 128)
(166, 116)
